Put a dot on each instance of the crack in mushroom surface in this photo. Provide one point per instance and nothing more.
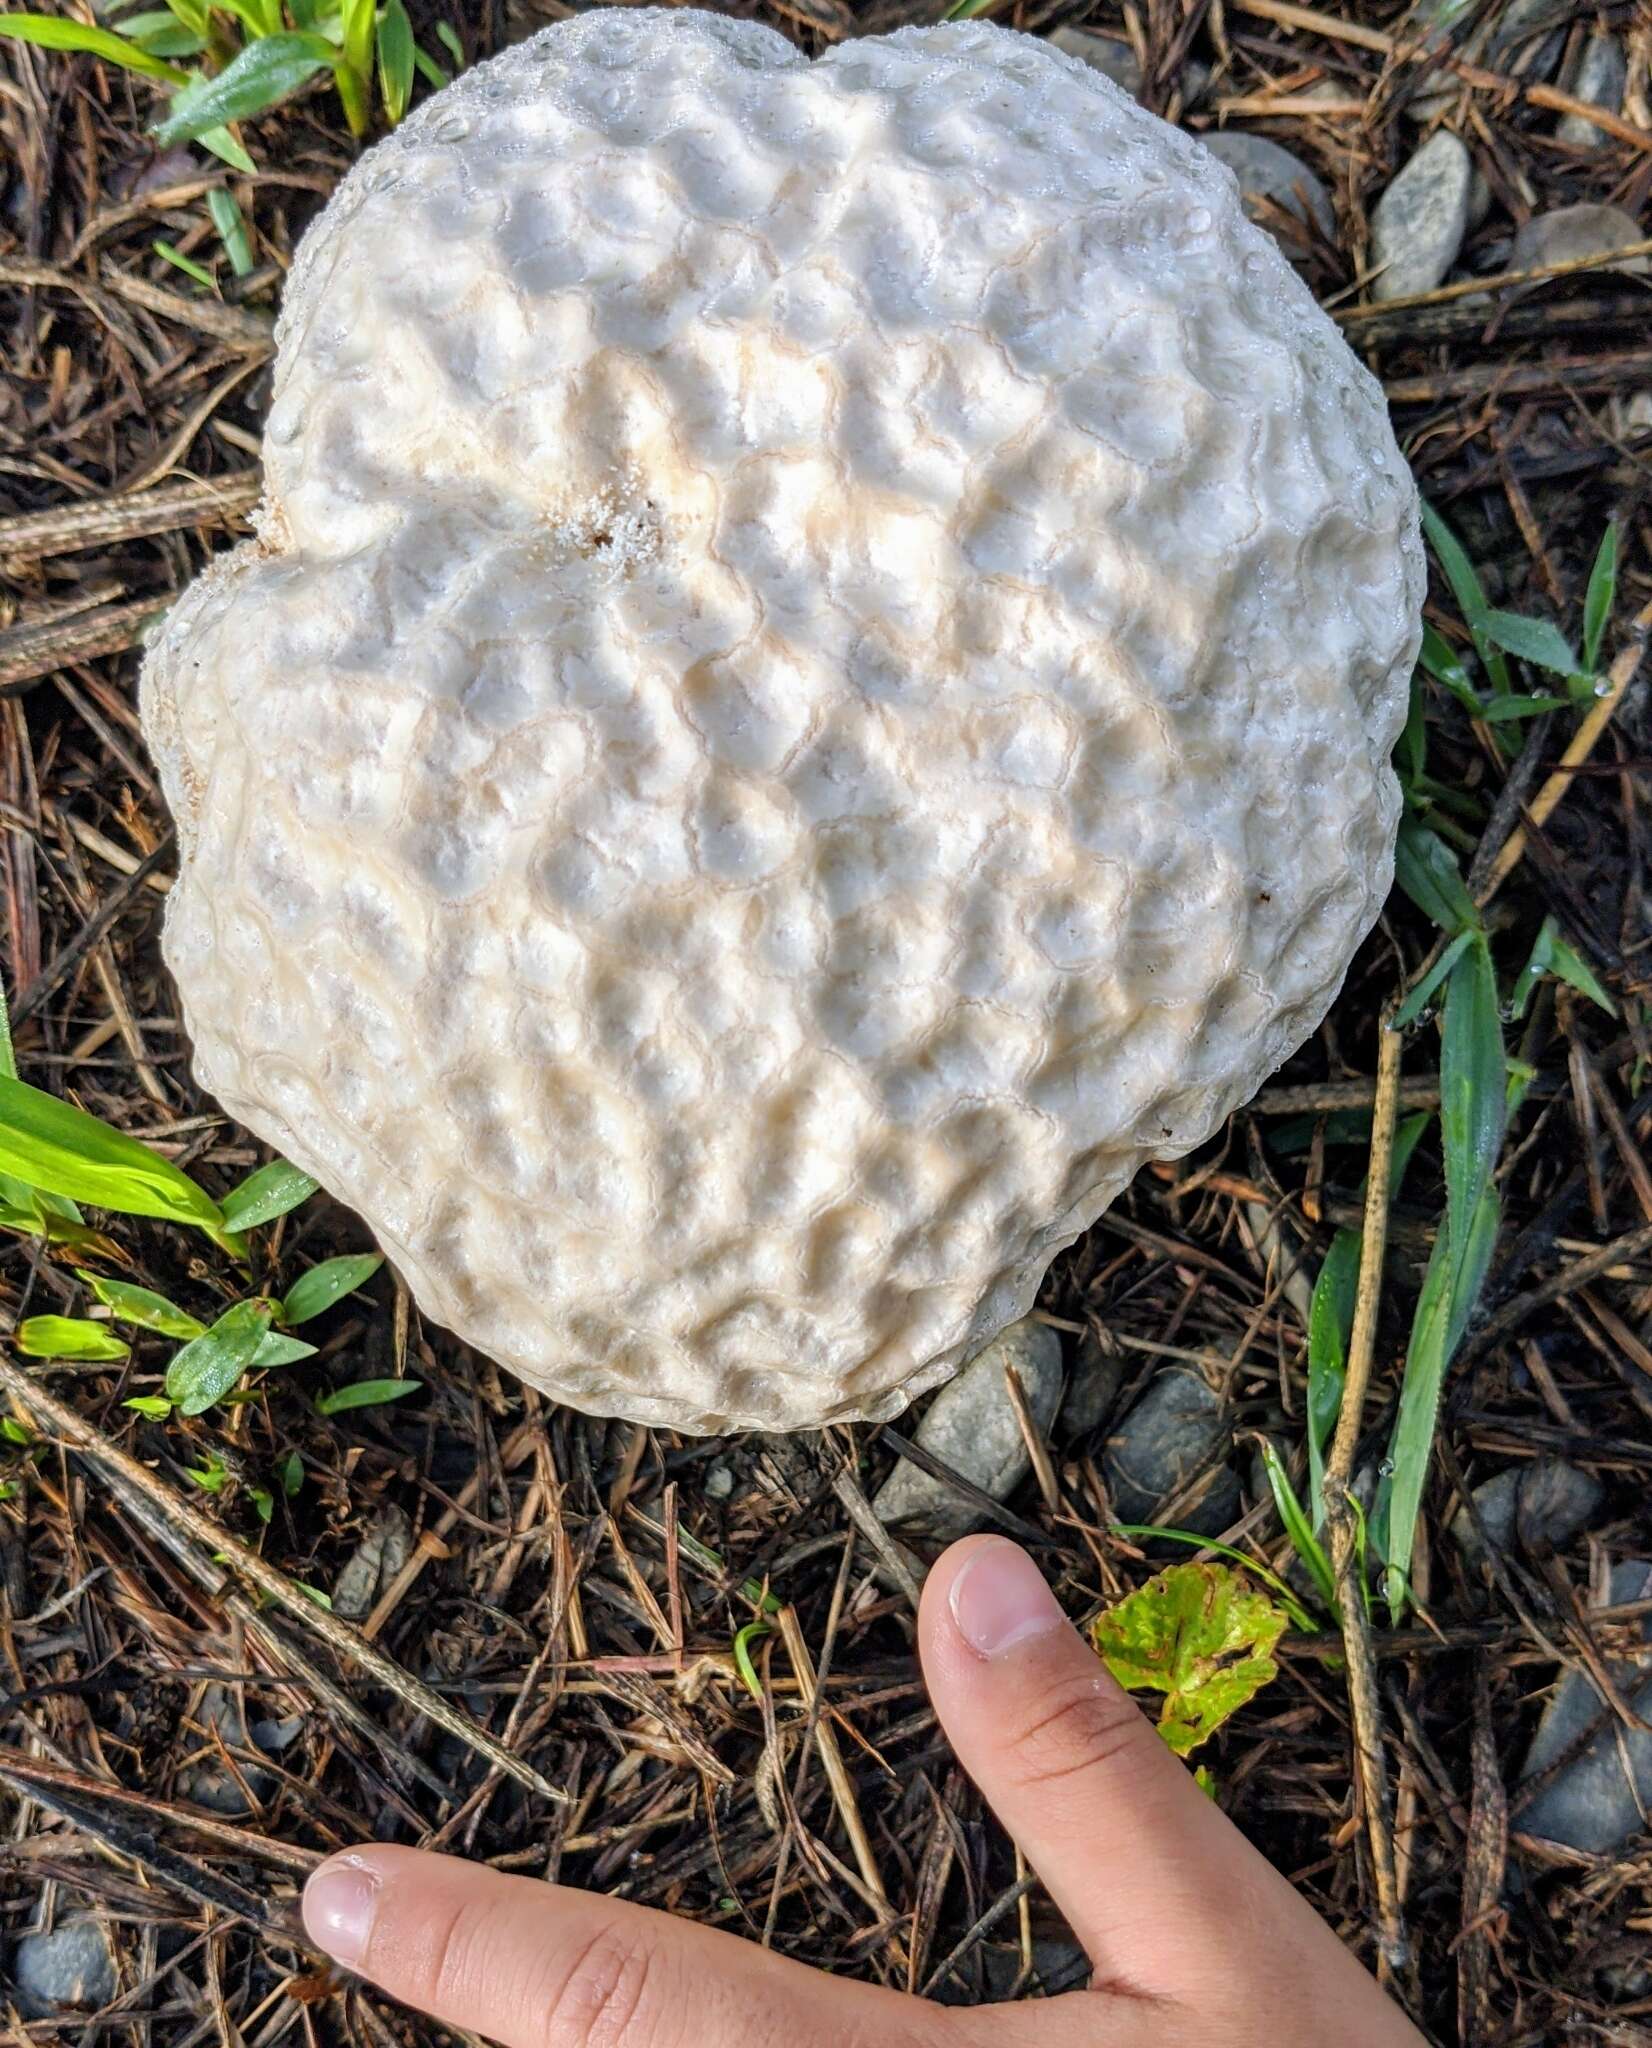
(814, 686)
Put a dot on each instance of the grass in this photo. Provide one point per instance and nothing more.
(226, 61)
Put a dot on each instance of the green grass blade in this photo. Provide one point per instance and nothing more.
(428, 69)
(224, 145)
(68, 1337)
(1425, 870)
(743, 1640)
(1418, 1000)
(52, 1145)
(322, 1285)
(395, 59)
(1577, 972)
(1534, 640)
(1600, 596)
(142, 1306)
(262, 76)
(365, 1394)
(187, 264)
(448, 36)
(232, 230)
(1330, 1321)
(8, 1056)
(1303, 1540)
(1466, 588)
(52, 33)
(1439, 660)
(270, 1192)
(1473, 1086)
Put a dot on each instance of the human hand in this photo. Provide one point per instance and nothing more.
(1194, 1938)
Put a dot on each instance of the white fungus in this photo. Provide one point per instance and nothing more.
(815, 686)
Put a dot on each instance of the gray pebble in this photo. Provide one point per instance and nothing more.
(213, 1785)
(1113, 59)
(971, 1427)
(1592, 1805)
(1526, 43)
(1270, 176)
(1418, 225)
(1178, 1427)
(1541, 1504)
(1601, 76)
(1571, 233)
(373, 1564)
(1637, 415)
(72, 1968)
(718, 1483)
(1092, 1386)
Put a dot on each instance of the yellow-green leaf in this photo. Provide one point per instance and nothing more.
(1201, 1635)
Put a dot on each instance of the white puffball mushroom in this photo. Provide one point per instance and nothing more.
(815, 686)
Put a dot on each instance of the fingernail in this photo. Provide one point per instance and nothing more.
(1000, 1600)
(339, 1903)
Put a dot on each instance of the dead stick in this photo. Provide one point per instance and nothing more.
(129, 1478)
(1364, 1707)
(831, 1757)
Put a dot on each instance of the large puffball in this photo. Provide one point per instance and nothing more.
(815, 686)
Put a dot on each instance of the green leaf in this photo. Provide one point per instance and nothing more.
(448, 37)
(232, 232)
(356, 20)
(1534, 640)
(68, 1337)
(743, 1640)
(270, 1192)
(278, 1349)
(1330, 1322)
(290, 1472)
(52, 1145)
(1201, 1636)
(141, 1305)
(205, 1369)
(162, 34)
(1573, 969)
(8, 1058)
(320, 1598)
(1466, 588)
(428, 69)
(53, 33)
(263, 1502)
(1418, 1000)
(1599, 599)
(187, 264)
(1506, 710)
(1297, 1527)
(211, 1476)
(193, 14)
(1450, 1288)
(365, 1394)
(395, 59)
(322, 1285)
(14, 1432)
(1426, 871)
(224, 145)
(1439, 659)
(155, 1406)
(1473, 1085)
(262, 76)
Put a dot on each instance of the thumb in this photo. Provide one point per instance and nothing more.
(1168, 1898)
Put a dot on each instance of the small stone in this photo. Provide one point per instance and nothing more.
(1525, 43)
(1113, 59)
(214, 1785)
(718, 1483)
(1543, 1504)
(971, 1427)
(1418, 225)
(1178, 1428)
(71, 1968)
(1269, 177)
(384, 1548)
(1092, 1386)
(1572, 233)
(1602, 73)
(1637, 415)
(1592, 1805)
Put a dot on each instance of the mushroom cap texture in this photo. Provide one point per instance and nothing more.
(815, 685)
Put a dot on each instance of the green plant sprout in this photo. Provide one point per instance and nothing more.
(1481, 1087)
(224, 61)
(1199, 1634)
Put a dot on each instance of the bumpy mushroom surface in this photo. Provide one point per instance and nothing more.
(815, 687)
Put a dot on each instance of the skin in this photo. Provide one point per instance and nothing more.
(1195, 1939)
